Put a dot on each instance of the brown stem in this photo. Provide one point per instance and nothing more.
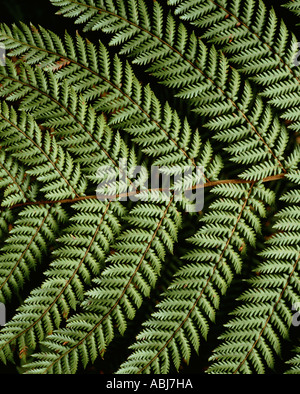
(134, 193)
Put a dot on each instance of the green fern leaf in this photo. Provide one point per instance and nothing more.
(15, 184)
(129, 277)
(108, 84)
(254, 336)
(257, 42)
(219, 92)
(294, 364)
(79, 257)
(189, 304)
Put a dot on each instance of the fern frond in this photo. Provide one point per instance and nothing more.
(197, 72)
(15, 184)
(257, 42)
(79, 257)
(226, 225)
(62, 109)
(74, 114)
(108, 83)
(254, 336)
(6, 219)
(75, 141)
(189, 305)
(293, 6)
(21, 136)
(131, 274)
(294, 363)
(37, 226)
(84, 245)
(33, 233)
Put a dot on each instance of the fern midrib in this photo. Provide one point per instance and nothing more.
(204, 287)
(64, 288)
(14, 181)
(272, 178)
(42, 151)
(114, 87)
(260, 39)
(269, 317)
(26, 249)
(123, 291)
(193, 66)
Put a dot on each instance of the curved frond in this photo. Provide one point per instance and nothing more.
(188, 306)
(131, 273)
(15, 184)
(293, 6)
(27, 244)
(96, 77)
(197, 72)
(79, 257)
(254, 336)
(102, 181)
(294, 363)
(257, 42)
(21, 136)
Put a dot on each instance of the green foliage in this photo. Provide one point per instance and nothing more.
(253, 337)
(69, 107)
(293, 6)
(295, 364)
(189, 304)
(257, 42)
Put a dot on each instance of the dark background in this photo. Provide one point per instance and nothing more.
(43, 13)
